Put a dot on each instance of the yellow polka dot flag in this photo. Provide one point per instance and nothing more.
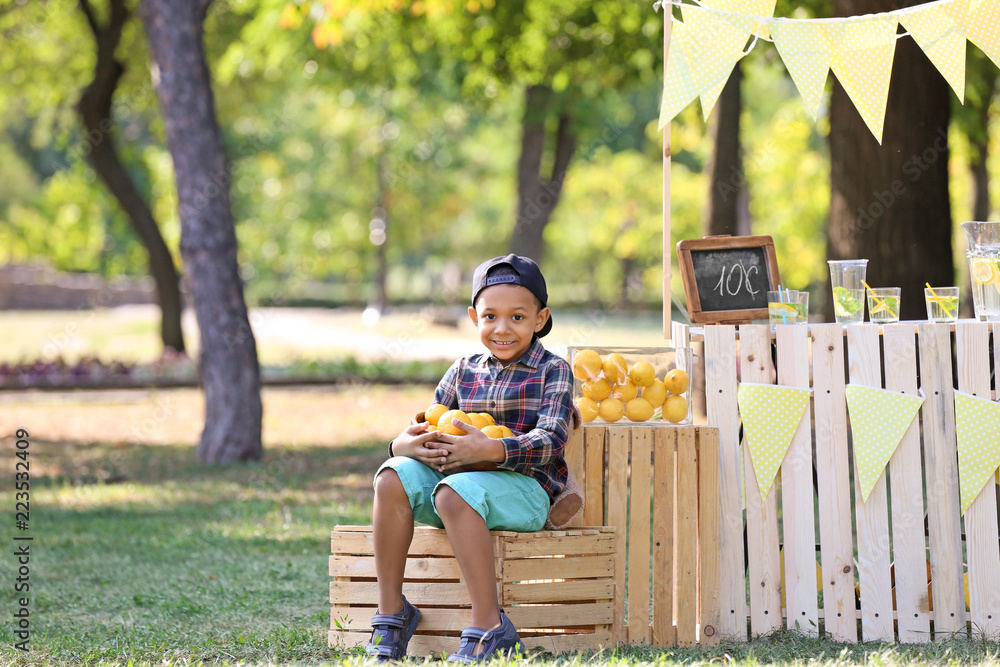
(732, 12)
(703, 50)
(936, 31)
(805, 50)
(879, 418)
(862, 52)
(982, 26)
(771, 414)
(977, 423)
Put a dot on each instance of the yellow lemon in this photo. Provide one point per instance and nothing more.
(615, 368)
(588, 408)
(611, 410)
(587, 365)
(655, 393)
(638, 410)
(597, 390)
(985, 271)
(675, 408)
(434, 412)
(642, 373)
(478, 420)
(625, 391)
(493, 431)
(676, 381)
(488, 417)
(445, 425)
(507, 433)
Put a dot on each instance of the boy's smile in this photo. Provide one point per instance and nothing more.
(507, 317)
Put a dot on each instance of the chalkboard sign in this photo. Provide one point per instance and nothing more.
(726, 278)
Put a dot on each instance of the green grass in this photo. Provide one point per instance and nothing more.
(142, 556)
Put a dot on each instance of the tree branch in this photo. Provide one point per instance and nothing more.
(565, 147)
(88, 12)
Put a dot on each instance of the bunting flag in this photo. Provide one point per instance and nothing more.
(805, 51)
(982, 26)
(879, 418)
(862, 54)
(702, 55)
(771, 414)
(938, 34)
(732, 11)
(977, 423)
(715, 34)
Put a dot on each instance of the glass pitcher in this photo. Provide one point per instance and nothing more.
(984, 268)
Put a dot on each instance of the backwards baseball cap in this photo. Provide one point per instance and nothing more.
(525, 273)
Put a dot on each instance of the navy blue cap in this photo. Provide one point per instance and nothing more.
(526, 274)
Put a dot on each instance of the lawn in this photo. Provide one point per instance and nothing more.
(143, 556)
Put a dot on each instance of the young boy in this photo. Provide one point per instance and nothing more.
(525, 388)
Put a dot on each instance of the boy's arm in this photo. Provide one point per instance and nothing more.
(544, 443)
(446, 392)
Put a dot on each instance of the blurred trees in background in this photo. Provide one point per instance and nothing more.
(385, 164)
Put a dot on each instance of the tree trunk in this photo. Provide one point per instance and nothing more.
(890, 203)
(728, 202)
(95, 111)
(980, 183)
(230, 373)
(536, 196)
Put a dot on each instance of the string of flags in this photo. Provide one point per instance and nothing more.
(879, 419)
(714, 34)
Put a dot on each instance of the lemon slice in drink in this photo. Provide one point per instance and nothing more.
(881, 308)
(840, 311)
(784, 306)
(985, 271)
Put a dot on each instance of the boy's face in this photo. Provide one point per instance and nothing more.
(507, 317)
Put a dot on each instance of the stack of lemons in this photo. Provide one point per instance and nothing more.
(439, 418)
(612, 390)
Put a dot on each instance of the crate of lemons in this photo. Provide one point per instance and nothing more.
(633, 385)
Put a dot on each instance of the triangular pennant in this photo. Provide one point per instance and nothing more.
(879, 418)
(708, 99)
(770, 414)
(977, 424)
(862, 52)
(735, 13)
(722, 38)
(983, 27)
(934, 29)
(805, 50)
(679, 87)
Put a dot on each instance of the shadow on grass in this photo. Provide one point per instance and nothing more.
(140, 552)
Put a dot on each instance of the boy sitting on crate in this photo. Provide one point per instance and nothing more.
(525, 388)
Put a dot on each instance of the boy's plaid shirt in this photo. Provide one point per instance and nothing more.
(532, 397)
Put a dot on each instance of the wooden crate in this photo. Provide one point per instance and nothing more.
(557, 587)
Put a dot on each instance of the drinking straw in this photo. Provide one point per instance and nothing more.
(938, 299)
(878, 302)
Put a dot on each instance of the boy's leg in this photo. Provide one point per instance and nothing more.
(392, 519)
(473, 548)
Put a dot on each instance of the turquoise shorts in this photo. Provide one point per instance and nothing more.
(505, 499)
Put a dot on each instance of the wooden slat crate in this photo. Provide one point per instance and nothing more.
(557, 587)
(660, 486)
(902, 551)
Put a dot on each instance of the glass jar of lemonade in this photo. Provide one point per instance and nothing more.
(984, 268)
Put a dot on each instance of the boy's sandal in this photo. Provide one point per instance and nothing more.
(391, 633)
(501, 641)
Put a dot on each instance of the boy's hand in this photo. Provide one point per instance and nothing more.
(473, 447)
(418, 443)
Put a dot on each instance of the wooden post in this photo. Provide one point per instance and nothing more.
(667, 246)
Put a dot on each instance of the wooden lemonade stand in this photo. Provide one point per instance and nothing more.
(658, 555)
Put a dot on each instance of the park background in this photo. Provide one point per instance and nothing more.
(376, 152)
